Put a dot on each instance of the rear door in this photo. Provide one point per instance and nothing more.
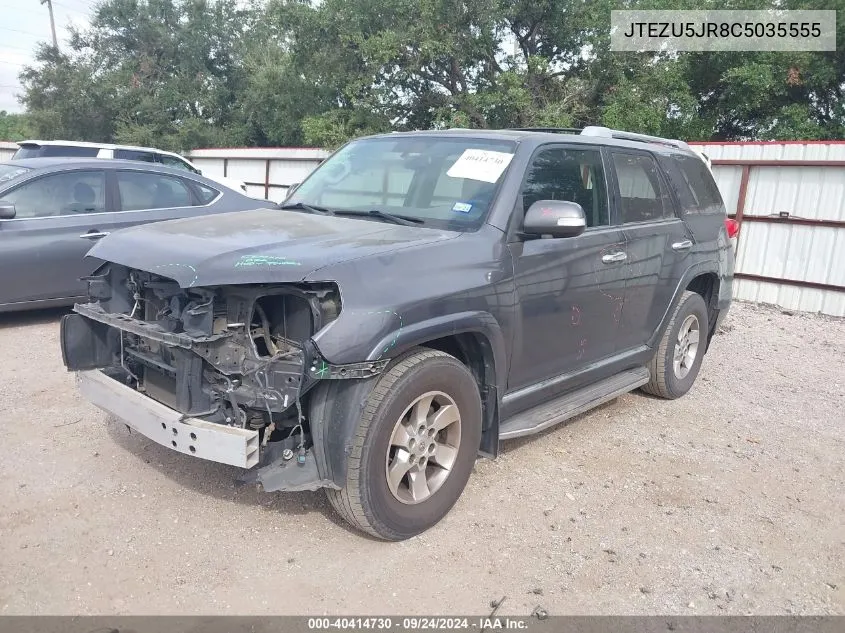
(58, 216)
(658, 244)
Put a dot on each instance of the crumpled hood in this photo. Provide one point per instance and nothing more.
(261, 246)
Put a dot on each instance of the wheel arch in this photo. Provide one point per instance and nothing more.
(706, 285)
(704, 280)
(474, 338)
(475, 351)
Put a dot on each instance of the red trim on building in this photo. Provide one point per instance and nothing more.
(766, 142)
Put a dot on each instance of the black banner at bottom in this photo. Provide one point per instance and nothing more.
(539, 622)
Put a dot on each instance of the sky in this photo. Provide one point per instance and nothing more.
(24, 24)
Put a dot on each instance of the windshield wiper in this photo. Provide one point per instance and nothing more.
(382, 215)
(306, 207)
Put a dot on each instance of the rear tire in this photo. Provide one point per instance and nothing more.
(408, 465)
(677, 360)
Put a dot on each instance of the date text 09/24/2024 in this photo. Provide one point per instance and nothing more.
(482, 623)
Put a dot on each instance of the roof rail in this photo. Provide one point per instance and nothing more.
(606, 132)
(560, 130)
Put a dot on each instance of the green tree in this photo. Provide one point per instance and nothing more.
(14, 127)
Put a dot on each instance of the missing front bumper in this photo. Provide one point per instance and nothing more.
(163, 425)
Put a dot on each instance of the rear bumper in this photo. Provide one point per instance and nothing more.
(165, 426)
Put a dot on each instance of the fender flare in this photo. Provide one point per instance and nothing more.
(691, 273)
(479, 322)
(336, 406)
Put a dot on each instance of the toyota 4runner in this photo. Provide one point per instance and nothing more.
(420, 297)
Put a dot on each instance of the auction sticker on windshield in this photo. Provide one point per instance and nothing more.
(480, 164)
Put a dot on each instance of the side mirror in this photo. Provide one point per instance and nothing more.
(7, 210)
(558, 218)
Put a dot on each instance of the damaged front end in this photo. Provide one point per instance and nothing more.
(223, 373)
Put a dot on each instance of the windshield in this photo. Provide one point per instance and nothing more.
(7, 172)
(445, 182)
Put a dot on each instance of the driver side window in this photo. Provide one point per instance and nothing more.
(574, 175)
(66, 193)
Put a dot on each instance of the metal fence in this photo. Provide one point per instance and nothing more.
(7, 150)
(789, 200)
(267, 171)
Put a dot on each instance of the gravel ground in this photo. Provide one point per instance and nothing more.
(728, 501)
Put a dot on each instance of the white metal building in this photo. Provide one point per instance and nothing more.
(789, 200)
(7, 150)
(267, 171)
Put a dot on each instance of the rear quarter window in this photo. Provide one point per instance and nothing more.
(205, 193)
(693, 184)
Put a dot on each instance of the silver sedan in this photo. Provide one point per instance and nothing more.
(52, 210)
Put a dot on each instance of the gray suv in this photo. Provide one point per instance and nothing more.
(419, 298)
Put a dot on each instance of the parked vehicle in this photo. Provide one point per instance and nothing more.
(417, 299)
(52, 210)
(77, 149)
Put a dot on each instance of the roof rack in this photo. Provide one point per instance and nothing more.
(606, 132)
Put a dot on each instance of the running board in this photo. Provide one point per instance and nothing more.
(547, 415)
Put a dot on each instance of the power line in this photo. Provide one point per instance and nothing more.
(19, 48)
(8, 28)
(28, 10)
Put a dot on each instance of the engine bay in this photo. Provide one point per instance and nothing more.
(233, 355)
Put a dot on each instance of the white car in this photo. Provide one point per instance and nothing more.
(79, 149)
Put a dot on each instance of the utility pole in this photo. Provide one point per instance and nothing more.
(49, 4)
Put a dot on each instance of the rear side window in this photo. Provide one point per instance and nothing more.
(574, 175)
(131, 154)
(643, 198)
(694, 184)
(144, 190)
(38, 151)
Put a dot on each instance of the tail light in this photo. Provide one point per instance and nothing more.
(732, 226)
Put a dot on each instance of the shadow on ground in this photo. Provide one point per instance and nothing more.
(32, 317)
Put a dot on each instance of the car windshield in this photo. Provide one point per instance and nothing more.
(7, 172)
(445, 182)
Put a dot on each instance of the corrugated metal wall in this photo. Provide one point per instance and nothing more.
(267, 171)
(7, 150)
(790, 201)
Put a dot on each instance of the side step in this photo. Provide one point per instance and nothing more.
(548, 414)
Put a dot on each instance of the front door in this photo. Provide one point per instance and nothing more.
(570, 290)
(658, 245)
(58, 218)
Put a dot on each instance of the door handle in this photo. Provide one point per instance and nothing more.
(682, 246)
(93, 235)
(612, 258)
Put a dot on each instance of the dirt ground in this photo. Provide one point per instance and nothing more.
(730, 500)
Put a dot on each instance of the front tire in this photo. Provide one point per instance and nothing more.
(677, 360)
(414, 447)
